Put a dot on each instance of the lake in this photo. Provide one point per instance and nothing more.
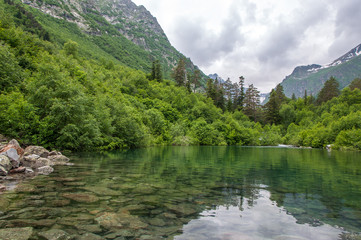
(198, 193)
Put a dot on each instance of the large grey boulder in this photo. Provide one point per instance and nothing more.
(5, 162)
(13, 151)
(14, 157)
(37, 150)
(35, 161)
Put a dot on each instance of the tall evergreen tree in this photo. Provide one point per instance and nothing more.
(293, 97)
(241, 94)
(156, 73)
(356, 83)
(210, 89)
(179, 72)
(329, 91)
(273, 106)
(228, 88)
(219, 100)
(252, 103)
(196, 78)
(188, 83)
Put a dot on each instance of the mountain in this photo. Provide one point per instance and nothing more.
(118, 29)
(312, 77)
(215, 76)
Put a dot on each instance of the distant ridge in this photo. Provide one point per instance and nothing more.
(312, 77)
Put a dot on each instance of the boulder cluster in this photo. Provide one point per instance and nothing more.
(32, 160)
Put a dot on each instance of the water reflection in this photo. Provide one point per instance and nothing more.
(194, 193)
(260, 220)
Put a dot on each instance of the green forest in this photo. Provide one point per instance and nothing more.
(53, 94)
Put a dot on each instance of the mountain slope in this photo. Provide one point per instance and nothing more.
(118, 28)
(312, 77)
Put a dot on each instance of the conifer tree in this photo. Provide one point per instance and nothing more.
(305, 97)
(252, 103)
(179, 72)
(329, 91)
(156, 73)
(210, 89)
(241, 94)
(356, 83)
(293, 97)
(273, 106)
(196, 78)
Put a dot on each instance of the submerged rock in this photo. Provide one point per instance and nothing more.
(58, 159)
(90, 236)
(81, 197)
(182, 209)
(16, 233)
(109, 220)
(55, 234)
(45, 170)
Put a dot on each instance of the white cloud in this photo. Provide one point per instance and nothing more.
(260, 39)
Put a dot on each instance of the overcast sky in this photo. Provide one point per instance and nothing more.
(263, 40)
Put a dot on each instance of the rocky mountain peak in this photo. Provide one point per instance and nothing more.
(312, 77)
(348, 56)
(134, 22)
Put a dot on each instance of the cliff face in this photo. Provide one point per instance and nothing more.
(134, 22)
(116, 18)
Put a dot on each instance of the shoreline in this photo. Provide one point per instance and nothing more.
(17, 163)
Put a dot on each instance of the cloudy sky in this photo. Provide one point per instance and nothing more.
(263, 40)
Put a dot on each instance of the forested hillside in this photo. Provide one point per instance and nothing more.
(120, 29)
(59, 95)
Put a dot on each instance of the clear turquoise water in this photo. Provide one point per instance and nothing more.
(194, 193)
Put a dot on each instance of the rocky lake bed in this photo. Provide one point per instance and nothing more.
(179, 193)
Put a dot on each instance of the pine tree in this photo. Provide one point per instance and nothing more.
(210, 89)
(158, 71)
(305, 97)
(188, 83)
(329, 91)
(273, 106)
(228, 94)
(252, 103)
(196, 78)
(179, 72)
(242, 93)
(219, 100)
(356, 83)
(293, 97)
